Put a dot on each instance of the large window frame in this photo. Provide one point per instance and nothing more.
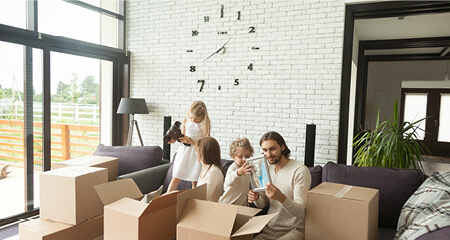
(32, 38)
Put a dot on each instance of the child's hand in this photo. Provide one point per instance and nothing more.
(252, 196)
(187, 140)
(245, 169)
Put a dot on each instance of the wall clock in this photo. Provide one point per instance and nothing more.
(220, 44)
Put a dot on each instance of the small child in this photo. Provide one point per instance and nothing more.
(195, 126)
(208, 154)
(237, 180)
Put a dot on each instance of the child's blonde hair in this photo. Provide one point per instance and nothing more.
(240, 143)
(198, 109)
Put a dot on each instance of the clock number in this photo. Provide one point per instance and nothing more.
(194, 33)
(220, 87)
(251, 29)
(203, 83)
(192, 69)
(221, 11)
(250, 67)
(236, 82)
(239, 15)
(206, 18)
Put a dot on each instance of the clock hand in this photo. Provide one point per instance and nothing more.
(218, 50)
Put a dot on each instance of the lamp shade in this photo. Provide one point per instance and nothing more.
(132, 106)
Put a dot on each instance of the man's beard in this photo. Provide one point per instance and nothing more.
(276, 159)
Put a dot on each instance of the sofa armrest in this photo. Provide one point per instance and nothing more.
(149, 179)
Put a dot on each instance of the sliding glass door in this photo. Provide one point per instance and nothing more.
(57, 95)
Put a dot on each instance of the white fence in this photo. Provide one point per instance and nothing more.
(60, 111)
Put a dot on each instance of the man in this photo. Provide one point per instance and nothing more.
(286, 194)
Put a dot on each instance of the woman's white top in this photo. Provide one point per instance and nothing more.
(214, 180)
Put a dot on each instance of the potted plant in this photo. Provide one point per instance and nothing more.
(391, 144)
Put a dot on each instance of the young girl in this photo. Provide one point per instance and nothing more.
(237, 180)
(208, 154)
(195, 126)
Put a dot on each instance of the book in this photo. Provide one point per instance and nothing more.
(260, 175)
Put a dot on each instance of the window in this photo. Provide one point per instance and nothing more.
(416, 109)
(52, 89)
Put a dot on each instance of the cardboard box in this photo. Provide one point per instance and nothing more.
(111, 163)
(67, 195)
(199, 219)
(342, 212)
(126, 217)
(39, 229)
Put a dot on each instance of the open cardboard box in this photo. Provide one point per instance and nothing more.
(67, 195)
(39, 229)
(199, 219)
(342, 212)
(126, 217)
(110, 163)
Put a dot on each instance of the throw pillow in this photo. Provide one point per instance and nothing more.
(132, 158)
(427, 210)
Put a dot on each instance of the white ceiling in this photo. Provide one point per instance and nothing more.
(418, 26)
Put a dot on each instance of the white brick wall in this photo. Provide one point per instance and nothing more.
(295, 78)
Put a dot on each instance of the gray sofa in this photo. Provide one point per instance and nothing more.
(395, 186)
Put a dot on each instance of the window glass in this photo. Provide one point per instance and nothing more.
(415, 109)
(13, 13)
(444, 118)
(64, 19)
(110, 5)
(12, 133)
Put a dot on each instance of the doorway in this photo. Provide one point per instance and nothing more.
(388, 48)
(435, 130)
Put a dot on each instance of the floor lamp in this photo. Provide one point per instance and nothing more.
(132, 106)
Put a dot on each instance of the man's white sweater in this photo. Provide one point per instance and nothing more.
(294, 181)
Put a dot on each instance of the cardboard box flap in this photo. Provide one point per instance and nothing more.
(113, 191)
(248, 211)
(163, 202)
(254, 225)
(204, 216)
(196, 193)
(128, 206)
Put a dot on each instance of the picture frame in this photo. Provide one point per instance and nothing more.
(260, 175)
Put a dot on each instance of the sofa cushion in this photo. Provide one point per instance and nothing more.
(132, 158)
(316, 175)
(440, 234)
(395, 186)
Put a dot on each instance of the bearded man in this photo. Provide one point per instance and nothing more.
(286, 194)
